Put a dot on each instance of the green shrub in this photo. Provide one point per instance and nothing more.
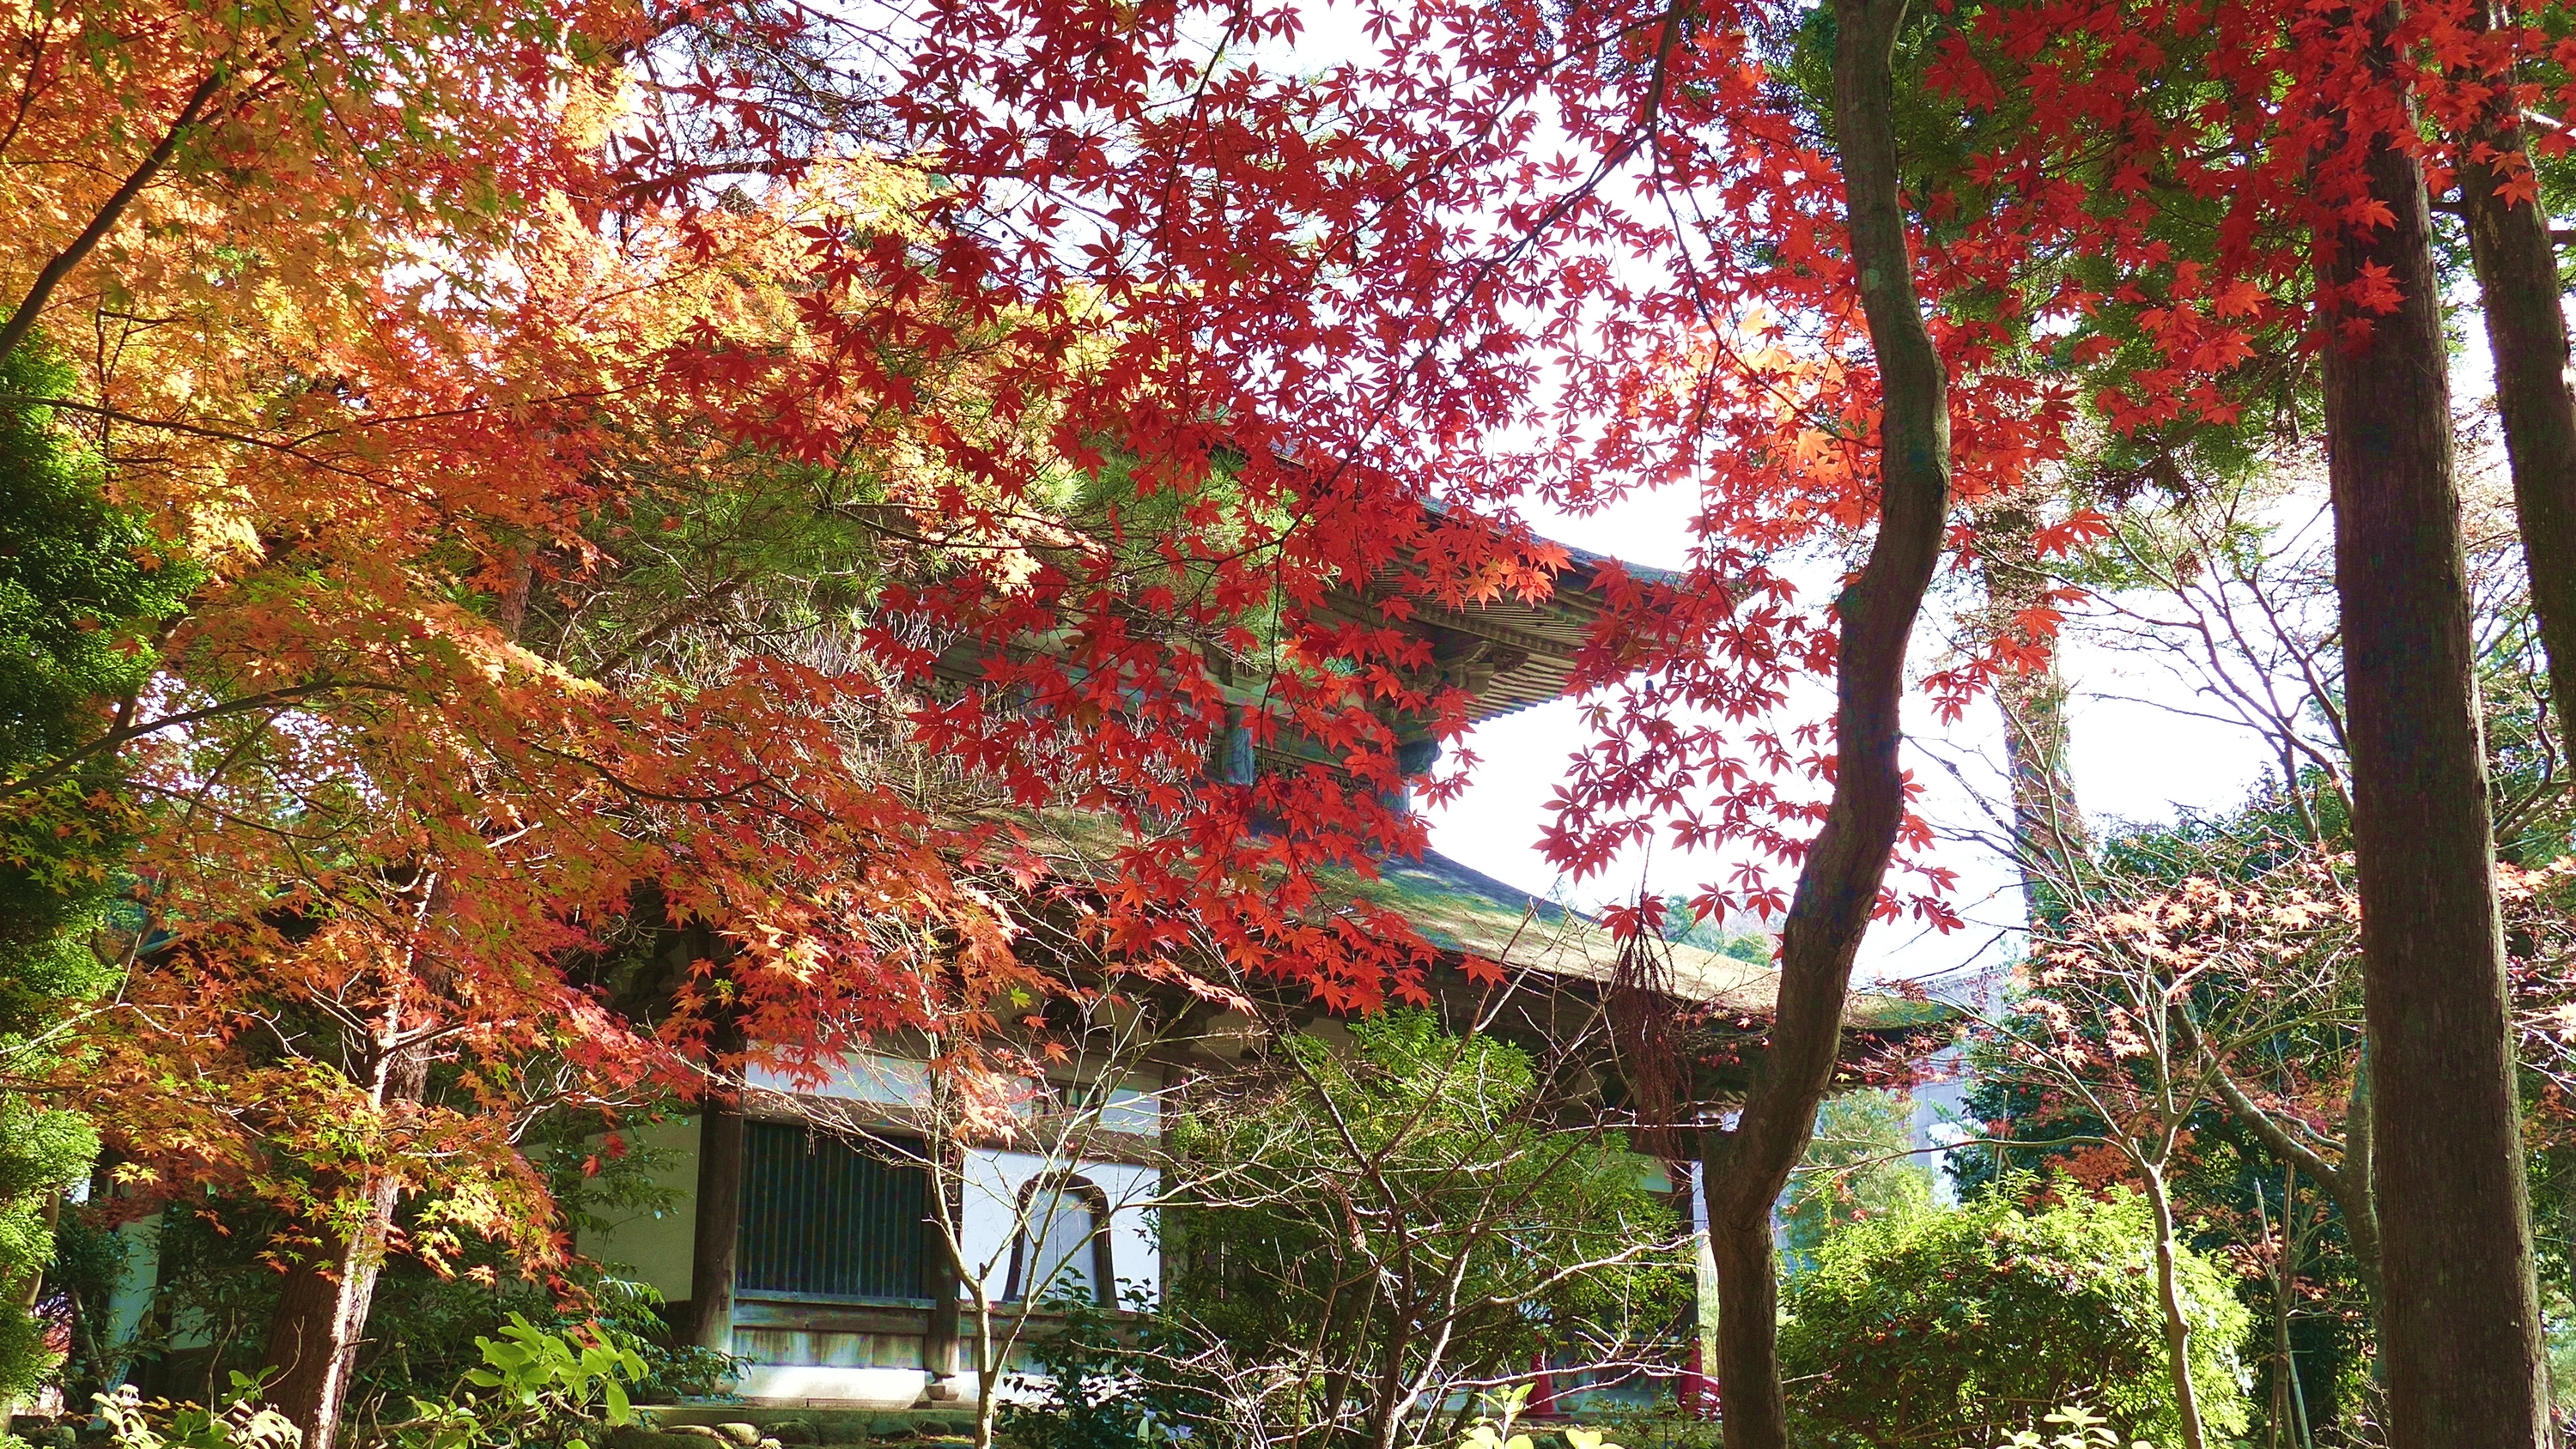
(1960, 1327)
(532, 1388)
(1096, 1392)
(83, 584)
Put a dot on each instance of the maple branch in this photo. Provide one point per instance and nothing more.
(109, 742)
(679, 614)
(23, 320)
(2347, 1182)
(638, 792)
(292, 446)
(2270, 1132)
(292, 449)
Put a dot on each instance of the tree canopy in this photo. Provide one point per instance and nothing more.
(554, 549)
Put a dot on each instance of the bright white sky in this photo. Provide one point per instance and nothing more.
(2130, 761)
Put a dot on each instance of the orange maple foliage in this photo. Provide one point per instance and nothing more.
(424, 315)
(411, 324)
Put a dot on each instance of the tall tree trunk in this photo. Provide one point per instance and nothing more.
(2177, 1322)
(1749, 1398)
(321, 1316)
(321, 1320)
(2048, 834)
(2459, 1320)
(1749, 1164)
(2517, 267)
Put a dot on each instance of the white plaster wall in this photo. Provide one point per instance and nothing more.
(990, 1208)
(136, 1282)
(850, 1388)
(657, 1246)
(1135, 1252)
(1132, 1109)
(861, 1077)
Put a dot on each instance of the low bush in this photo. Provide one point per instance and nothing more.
(533, 1388)
(1965, 1326)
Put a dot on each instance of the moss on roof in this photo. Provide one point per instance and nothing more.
(1471, 912)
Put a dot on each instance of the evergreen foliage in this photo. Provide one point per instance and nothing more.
(1962, 1326)
(1856, 1170)
(81, 585)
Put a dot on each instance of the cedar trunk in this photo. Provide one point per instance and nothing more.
(2459, 1322)
(1748, 1164)
(321, 1320)
(2517, 269)
(2048, 835)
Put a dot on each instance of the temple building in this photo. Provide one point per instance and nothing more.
(839, 1235)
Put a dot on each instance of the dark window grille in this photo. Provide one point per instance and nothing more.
(824, 1219)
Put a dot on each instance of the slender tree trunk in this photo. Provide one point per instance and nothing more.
(2285, 1298)
(1749, 1164)
(2517, 267)
(988, 1373)
(1389, 1397)
(2351, 1186)
(2177, 1322)
(49, 1219)
(2459, 1319)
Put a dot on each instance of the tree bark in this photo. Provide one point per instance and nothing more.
(2459, 1320)
(1749, 1398)
(2517, 268)
(321, 1316)
(321, 1320)
(1748, 1164)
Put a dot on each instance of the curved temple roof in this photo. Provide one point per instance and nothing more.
(1475, 914)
